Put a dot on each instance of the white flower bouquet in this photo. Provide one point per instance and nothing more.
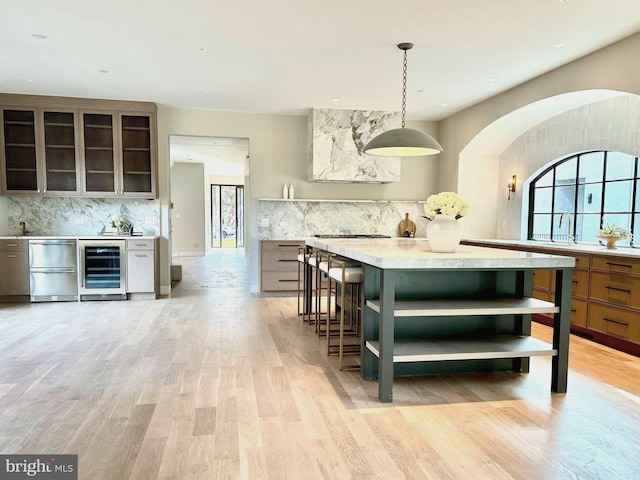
(446, 203)
(121, 223)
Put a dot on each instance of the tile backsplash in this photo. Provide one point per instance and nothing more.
(79, 216)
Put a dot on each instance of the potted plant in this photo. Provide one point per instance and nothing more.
(122, 224)
(612, 233)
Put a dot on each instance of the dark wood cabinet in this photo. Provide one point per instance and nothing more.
(67, 147)
(19, 151)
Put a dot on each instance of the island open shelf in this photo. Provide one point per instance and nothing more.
(463, 306)
(428, 313)
(501, 346)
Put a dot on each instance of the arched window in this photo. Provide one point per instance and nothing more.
(596, 188)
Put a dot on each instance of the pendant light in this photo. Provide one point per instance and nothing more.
(403, 142)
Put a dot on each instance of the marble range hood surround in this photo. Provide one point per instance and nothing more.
(336, 139)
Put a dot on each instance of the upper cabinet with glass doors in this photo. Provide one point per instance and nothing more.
(119, 154)
(39, 151)
(94, 152)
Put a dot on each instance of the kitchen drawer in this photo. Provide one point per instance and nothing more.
(542, 279)
(579, 312)
(279, 281)
(11, 245)
(615, 289)
(286, 245)
(146, 244)
(614, 321)
(625, 265)
(582, 261)
(280, 260)
(580, 283)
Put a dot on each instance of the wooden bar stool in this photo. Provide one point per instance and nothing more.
(346, 275)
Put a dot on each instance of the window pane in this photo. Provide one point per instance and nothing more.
(617, 196)
(635, 240)
(587, 227)
(591, 166)
(637, 195)
(589, 198)
(619, 165)
(621, 220)
(565, 196)
(566, 172)
(542, 201)
(546, 180)
(541, 227)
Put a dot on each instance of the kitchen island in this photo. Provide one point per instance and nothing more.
(469, 311)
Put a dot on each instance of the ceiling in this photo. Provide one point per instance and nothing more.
(287, 56)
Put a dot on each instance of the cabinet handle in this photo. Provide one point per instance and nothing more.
(615, 321)
(611, 264)
(294, 246)
(281, 280)
(287, 260)
(11, 244)
(574, 281)
(574, 310)
(618, 289)
(140, 255)
(10, 255)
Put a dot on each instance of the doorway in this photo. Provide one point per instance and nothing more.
(227, 216)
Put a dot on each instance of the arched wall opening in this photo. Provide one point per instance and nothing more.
(524, 140)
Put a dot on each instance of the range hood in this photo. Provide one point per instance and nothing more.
(335, 143)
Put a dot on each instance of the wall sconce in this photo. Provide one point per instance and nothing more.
(511, 186)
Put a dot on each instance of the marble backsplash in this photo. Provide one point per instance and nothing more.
(305, 218)
(336, 140)
(79, 216)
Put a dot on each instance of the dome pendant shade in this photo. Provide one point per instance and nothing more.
(402, 142)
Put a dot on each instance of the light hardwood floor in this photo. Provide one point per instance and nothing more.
(215, 383)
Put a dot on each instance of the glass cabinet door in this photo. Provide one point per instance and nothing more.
(60, 152)
(20, 158)
(137, 174)
(99, 153)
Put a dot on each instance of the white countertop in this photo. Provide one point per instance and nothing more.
(576, 247)
(77, 237)
(414, 253)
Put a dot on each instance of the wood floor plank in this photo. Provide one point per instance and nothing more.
(213, 382)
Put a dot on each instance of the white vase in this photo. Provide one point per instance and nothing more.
(285, 192)
(444, 233)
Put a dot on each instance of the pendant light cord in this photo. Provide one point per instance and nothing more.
(404, 87)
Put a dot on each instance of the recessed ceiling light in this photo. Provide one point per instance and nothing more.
(103, 71)
(335, 100)
(39, 36)
(30, 80)
(420, 90)
(492, 79)
(444, 104)
(558, 45)
(201, 49)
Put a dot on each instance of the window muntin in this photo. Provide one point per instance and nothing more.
(595, 187)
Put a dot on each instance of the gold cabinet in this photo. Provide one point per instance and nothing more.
(279, 265)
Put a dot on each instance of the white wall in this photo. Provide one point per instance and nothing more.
(473, 172)
(277, 156)
(188, 215)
